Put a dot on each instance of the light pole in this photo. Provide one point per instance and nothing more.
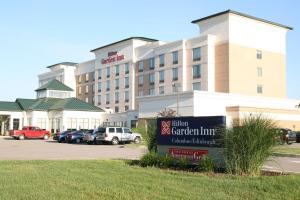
(176, 86)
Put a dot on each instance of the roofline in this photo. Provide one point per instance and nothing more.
(243, 15)
(131, 38)
(63, 63)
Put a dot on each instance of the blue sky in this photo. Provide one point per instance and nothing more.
(36, 34)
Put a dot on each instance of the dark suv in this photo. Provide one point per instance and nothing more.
(75, 137)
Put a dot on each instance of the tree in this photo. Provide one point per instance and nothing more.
(167, 113)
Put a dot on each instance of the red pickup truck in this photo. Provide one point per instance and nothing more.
(29, 132)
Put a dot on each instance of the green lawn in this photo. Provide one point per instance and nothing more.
(115, 180)
(288, 149)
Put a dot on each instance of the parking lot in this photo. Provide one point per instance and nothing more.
(34, 149)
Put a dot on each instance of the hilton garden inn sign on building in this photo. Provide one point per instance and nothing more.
(235, 67)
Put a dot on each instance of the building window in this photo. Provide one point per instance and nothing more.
(116, 109)
(151, 79)
(107, 85)
(161, 76)
(197, 86)
(151, 63)
(259, 72)
(86, 77)
(197, 54)
(161, 90)
(196, 71)
(151, 91)
(175, 74)
(259, 89)
(117, 84)
(99, 99)
(79, 79)
(86, 89)
(99, 74)
(126, 108)
(175, 57)
(162, 60)
(126, 68)
(86, 99)
(117, 70)
(141, 93)
(107, 98)
(99, 86)
(141, 80)
(126, 82)
(93, 88)
(141, 66)
(79, 90)
(107, 72)
(126, 96)
(259, 54)
(116, 97)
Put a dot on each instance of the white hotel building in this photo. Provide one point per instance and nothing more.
(236, 66)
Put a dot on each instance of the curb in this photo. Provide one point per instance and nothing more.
(286, 155)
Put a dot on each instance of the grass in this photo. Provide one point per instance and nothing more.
(286, 149)
(97, 179)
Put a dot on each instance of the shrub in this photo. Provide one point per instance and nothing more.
(150, 160)
(167, 161)
(205, 164)
(249, 144)
(151, 138)
(182, 163)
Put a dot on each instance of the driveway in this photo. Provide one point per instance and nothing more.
(11, 149)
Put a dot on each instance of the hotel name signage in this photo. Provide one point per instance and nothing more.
(112, 57)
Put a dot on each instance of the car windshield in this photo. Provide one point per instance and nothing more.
(99, 130)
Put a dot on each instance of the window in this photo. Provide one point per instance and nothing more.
(117, 70)
(86, 99)
(162, 60)
(151, 79)
(116, 111)
(99, 74)
(117, 84)
(141, 93)
(99, 99)
(41, 123)
(175, 74)
(196, 71)
(197, 86)
(197, 54)
(141, 80)
(99, 86)
(151, 91)
(107, 85)
(259, 72)
(126, 108)
(126, 68)
(151, 63)
(259, 54)
(79, 79)
(93, 88)
(141, 66)
(126, 96)
(161, 90)
(83, 123)
(111, 130)
(161, 76)
(79, 90)
(107, 72)
(107, 98)
(116, 97)
(86, 89)
(86, 77)
(126, 82)
(259, 89)
(175, 57)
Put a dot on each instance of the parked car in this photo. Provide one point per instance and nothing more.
(90, 136)
(288, 136)
(75, 137)
(298, 136)
(114, 135)
(61, 137)
(30, 132)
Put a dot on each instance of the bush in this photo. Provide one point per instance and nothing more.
(150, 160)
(151, 138)
(206, 164)
(249, 144)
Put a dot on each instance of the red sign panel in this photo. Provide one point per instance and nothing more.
(191, 154)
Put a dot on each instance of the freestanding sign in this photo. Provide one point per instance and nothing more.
(190, 137)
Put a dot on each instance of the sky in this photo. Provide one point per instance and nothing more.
(37, 33)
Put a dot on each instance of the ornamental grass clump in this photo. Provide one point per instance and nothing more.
(248, 145)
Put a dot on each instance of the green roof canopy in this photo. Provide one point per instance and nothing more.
(9, 106)
(54, 85)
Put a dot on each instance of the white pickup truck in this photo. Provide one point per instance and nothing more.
(114, 135)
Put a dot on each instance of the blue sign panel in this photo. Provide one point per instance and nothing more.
(191, 131)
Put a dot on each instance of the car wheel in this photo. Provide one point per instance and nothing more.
(21, 137)
(115, 141)
(137, 140)
(46, 137)
(77, 140)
